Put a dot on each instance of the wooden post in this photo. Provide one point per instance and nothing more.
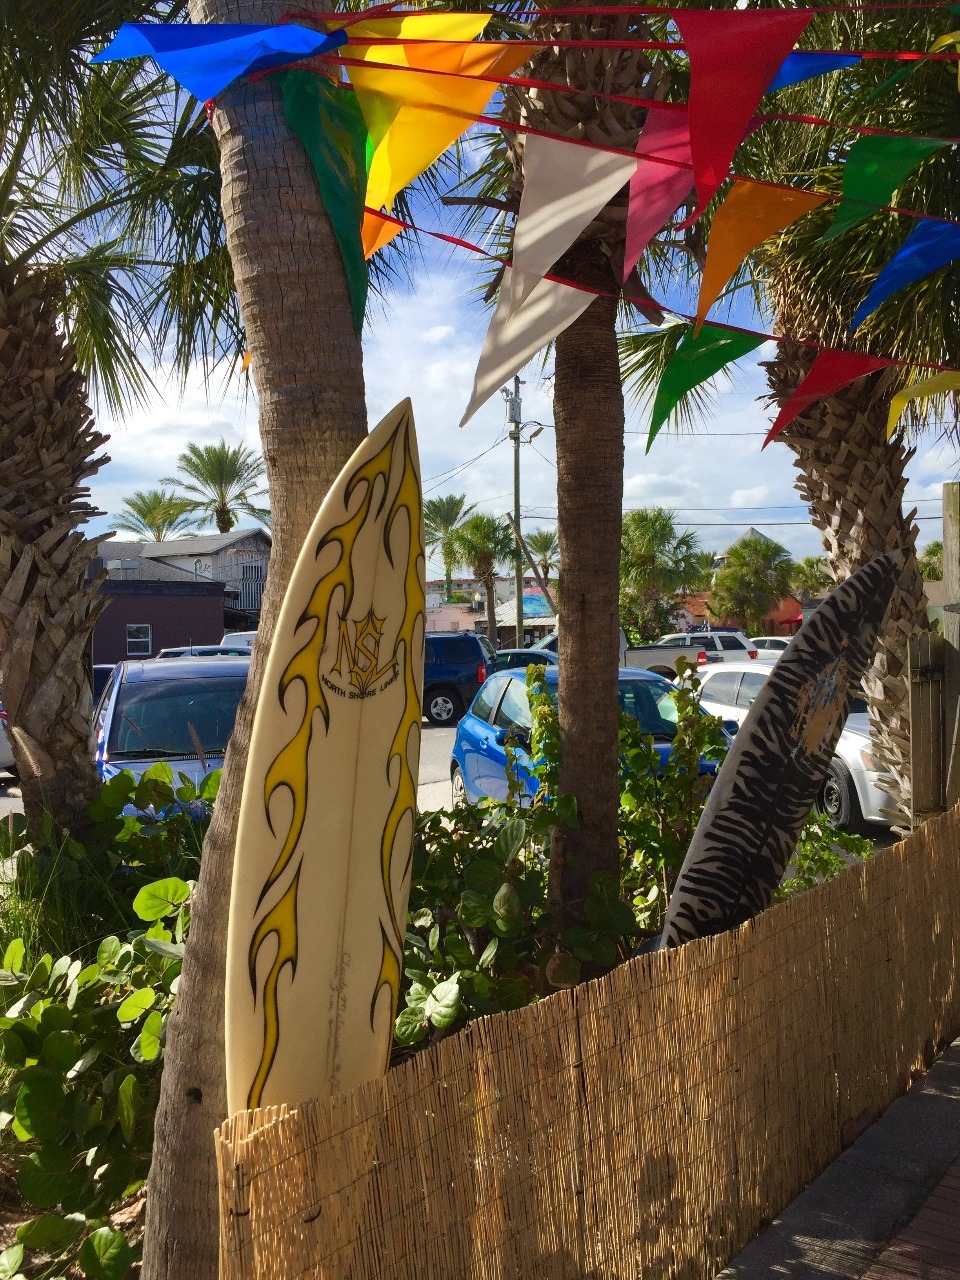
(951, 635)
(927, 774)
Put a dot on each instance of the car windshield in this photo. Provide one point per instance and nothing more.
(174, 718)
(652, 704)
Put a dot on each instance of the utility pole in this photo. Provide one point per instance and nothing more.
(515, 418)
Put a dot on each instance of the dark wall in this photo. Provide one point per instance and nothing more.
(187, 613)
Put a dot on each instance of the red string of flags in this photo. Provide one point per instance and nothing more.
(418, 81)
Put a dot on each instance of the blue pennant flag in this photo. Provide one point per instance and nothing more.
(929, 246)
(807, 66)
(206, 57)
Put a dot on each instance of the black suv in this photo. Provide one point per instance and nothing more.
(455, 666)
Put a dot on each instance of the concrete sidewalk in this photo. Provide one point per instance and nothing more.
(888, 1208)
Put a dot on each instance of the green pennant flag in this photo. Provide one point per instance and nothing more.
(695, 360)
(874, 169)
(329, 124)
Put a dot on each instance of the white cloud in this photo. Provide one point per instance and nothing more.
(425, 343)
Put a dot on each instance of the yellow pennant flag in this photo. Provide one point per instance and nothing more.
(412, 116)
(937, 384)
(376, 232)
(944, 42)
(411, 26)
(748, 216)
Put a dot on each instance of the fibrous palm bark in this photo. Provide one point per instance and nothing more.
(49, 601)
(854, 480)
(307, 365)
(589, 418)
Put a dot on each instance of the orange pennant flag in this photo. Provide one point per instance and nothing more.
(376, 232)
(748, 216)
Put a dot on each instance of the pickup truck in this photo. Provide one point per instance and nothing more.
(698, 647)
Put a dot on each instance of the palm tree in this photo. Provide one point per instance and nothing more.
(545, 548)
(441, 519)
(155, 515)
(930, 561)
(219, 483)
(96, 168)
(754, 579)
(483, 542)
(657, 565)
(809, 579)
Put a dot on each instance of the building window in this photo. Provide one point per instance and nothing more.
(139, 640)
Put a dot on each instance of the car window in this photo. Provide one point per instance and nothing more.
(750, 686)
(760, 644)
(651, 705)
(429, 653)
(708, 643)
(453, 649)
(722, 688)
(486, 699)
(673, 642)
(511, 658)
(157, 718)
(514, 709)
(730, 642)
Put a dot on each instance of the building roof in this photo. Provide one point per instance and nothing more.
(535, 610)
(201, 544)
(145, 570)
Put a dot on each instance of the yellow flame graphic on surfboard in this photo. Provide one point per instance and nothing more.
(369, 533)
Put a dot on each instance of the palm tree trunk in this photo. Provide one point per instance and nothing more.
(48, 607)
(307, 364)
(589, 418)
(853, 480)
(490, 588)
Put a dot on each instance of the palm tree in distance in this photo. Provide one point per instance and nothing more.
(755, 578)
(545, 548)
(809, 579)
(220, 483)
(930, 561)
(658, 563)
(441, 519)
(483, 542)
(155, 515)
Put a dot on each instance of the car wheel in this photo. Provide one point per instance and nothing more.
(838, 798)
(458, 788)
(443, 707)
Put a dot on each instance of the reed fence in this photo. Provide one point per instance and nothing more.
(644, 1125)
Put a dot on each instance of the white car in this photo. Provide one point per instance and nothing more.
(719, 646)
(850, 795)
(769, 648)
(236, 639)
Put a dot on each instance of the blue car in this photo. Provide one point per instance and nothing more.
(501, 708)
(181, 710)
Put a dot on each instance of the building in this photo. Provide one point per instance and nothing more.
(185, 591)
(538, 620)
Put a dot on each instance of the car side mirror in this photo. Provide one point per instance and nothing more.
(731, 726)
(515, 737)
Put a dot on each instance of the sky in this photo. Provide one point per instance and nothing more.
(424, 341)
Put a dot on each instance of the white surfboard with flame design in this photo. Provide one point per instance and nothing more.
(322, 870)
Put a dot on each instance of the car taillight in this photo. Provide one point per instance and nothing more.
(752, 652)
(481, 673)
(701, 657)
(3, 714)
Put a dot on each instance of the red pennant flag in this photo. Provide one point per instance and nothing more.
(830, 372)
(734, 55)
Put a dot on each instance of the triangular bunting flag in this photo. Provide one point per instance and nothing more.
(207, 56)
(695, 360)
(831, 371)
(657, 190)
(329, 124)
(565, 186)
(874, 168)
(800, 66)
(750, 214)
(515, 337)
(413, 116)
(377, 231)
(929, 246)
(452, 27)
(938, 384)
(734, 55)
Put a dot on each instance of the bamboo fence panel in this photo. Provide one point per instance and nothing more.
(644, 1125)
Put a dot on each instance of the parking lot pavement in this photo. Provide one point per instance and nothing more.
(436, 744)
(10, 801)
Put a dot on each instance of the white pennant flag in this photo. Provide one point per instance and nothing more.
(516, 335)
(564, 188)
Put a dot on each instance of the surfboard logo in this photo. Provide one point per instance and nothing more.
(358, 658)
